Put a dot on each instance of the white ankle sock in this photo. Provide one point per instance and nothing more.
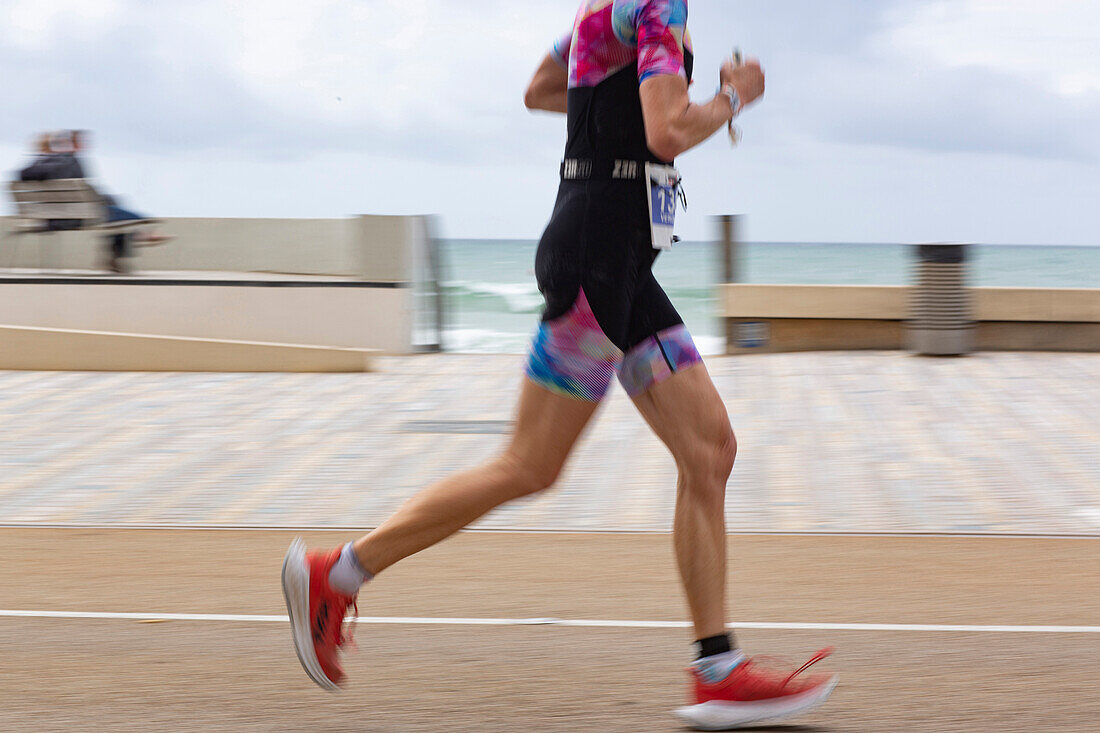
(717, 667)
(347, 574)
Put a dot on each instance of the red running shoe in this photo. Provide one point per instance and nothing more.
(317, 612)
(753, 692)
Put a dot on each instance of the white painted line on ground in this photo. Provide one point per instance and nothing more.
(581, 623)
(145, 616)
(907, 534)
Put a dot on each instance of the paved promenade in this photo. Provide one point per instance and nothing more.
(860, 442)
(437, 651)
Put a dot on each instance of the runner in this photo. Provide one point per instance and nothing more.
(622, 76)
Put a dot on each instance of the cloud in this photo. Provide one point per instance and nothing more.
(969, 109)
(1053, 45)
(964, 76)
(429, 79)
(35, 24)
(877, 111)
(282, 78)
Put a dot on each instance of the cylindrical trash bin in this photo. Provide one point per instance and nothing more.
(940, 313)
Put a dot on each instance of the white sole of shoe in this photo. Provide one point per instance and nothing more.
(717, 715)
(296, 593)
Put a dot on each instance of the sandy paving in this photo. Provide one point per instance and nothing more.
(847, 441)
(117, 675)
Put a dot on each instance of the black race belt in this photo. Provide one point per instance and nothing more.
(588, 169)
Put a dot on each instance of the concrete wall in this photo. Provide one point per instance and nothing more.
(771, 318)
(1037, 305)
(60, 350)
(1048, 336)
(379, 250)
(382, 248)
(360, 317)
(814, 301)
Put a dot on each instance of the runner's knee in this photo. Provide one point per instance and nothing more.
(706, 464)
(526, 477)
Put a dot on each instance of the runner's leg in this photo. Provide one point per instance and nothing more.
(568, 373)
(547, 425)
(664, 375)
(569, 370)
(687, 414)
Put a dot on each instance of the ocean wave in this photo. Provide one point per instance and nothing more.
(488, 341)
(517, 297)
(710, 345)
(526, 298)
(485, 341)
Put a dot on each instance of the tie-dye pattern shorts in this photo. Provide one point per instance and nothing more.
(605, 312)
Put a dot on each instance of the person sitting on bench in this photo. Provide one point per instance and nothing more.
(58, 160)
(51, 165)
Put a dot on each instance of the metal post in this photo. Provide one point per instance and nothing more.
(729, 230)
(437, 276)
(941, 320)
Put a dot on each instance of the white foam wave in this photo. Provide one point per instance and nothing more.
(485, 341)
(710, 345)
(488, 341)
(519, 297)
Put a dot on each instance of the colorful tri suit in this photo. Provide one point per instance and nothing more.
(605, 312)
(611, 34)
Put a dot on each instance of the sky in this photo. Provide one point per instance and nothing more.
(884, 120)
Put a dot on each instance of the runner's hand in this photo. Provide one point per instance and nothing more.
(747, 79)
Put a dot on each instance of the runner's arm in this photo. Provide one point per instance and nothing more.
(674, 125)
(548, 87)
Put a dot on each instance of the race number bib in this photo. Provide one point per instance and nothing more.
(662, 181)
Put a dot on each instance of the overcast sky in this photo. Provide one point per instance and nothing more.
(885, 120)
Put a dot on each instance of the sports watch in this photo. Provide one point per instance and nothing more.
(735, 99)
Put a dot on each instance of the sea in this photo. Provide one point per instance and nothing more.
(493, 305)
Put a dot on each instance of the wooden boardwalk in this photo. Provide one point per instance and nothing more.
(832, 442)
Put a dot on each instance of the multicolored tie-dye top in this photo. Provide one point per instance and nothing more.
(609, 35)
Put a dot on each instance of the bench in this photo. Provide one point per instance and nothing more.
(71, 200)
